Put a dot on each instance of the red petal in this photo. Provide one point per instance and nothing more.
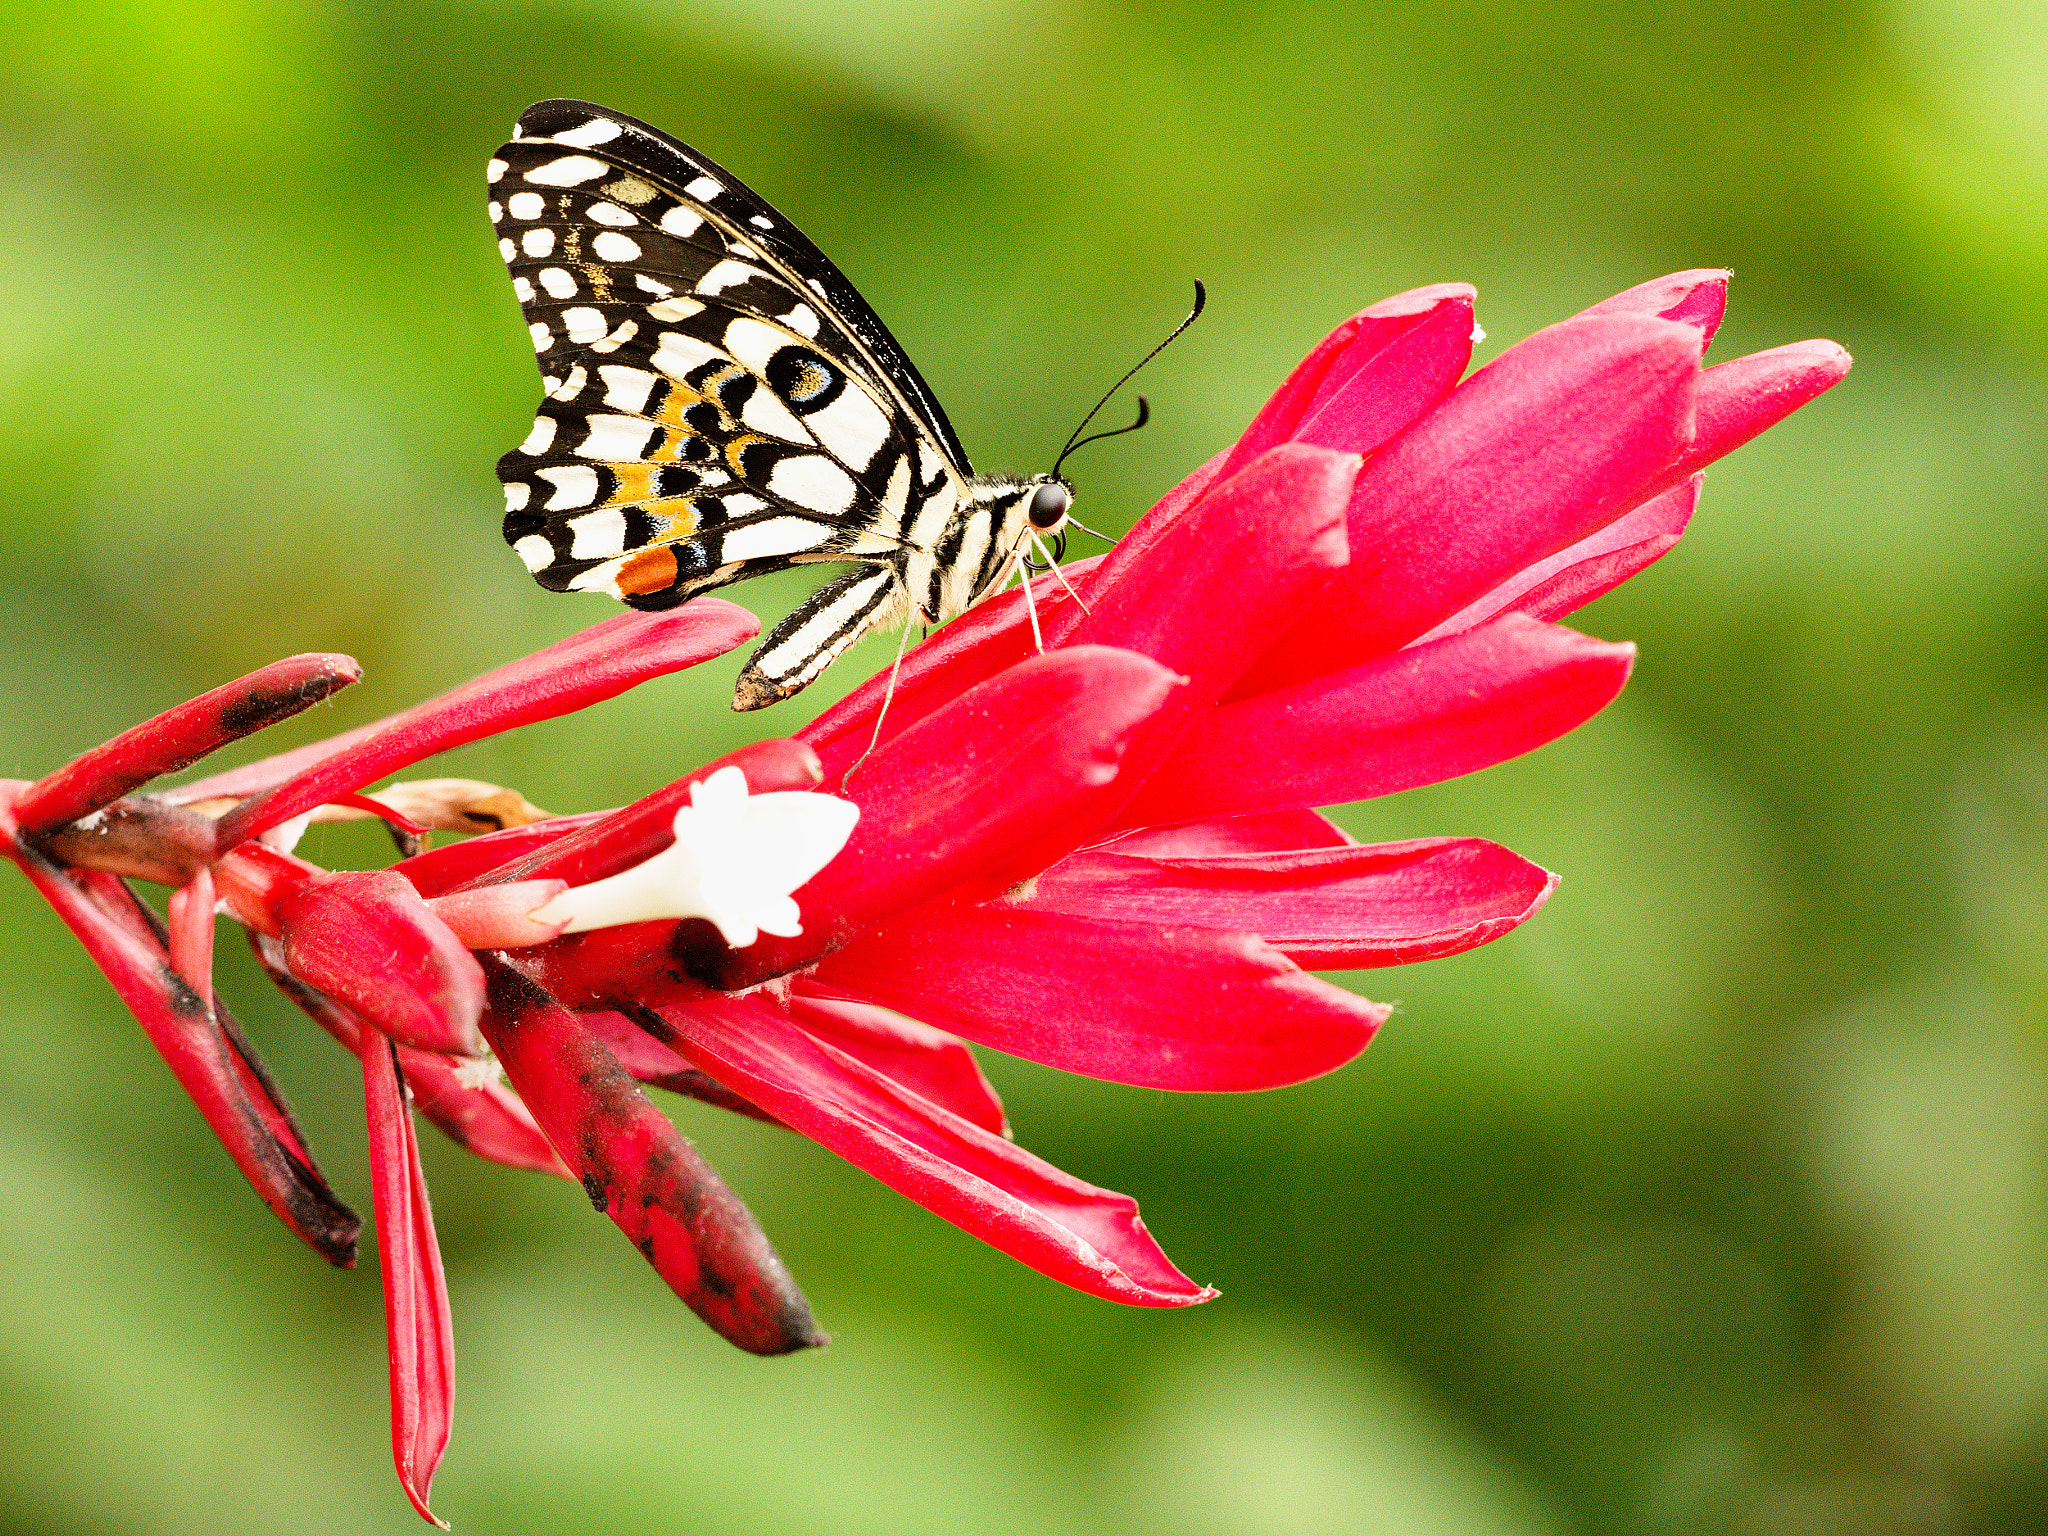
(1546, 445)
(927, 1061)
(191, 935)
(1206, 592)
(198, 1054)
(488, 1120)
(965, 791)
(1748, 395)
(417, 1327)
(988, 638)
(588, 668)
(640, 1172)
(1698, 298)
(440, 870)
(1086, 1237)
(1388, 904)
(1260, 832)
(649, 1061)
(1572, 578)
(1370, 377)
(181, 736)
(1417, 717)
(369, 941)
(1160, 1007)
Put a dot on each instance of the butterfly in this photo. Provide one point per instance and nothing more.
(721, 403)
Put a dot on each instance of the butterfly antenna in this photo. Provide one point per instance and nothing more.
(1144, 410)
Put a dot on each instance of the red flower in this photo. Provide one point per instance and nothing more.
(1102, 857)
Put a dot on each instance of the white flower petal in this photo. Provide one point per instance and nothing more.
(736, 860)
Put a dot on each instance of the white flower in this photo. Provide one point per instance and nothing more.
(736, 859)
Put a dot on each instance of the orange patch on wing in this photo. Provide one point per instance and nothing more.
(651, 570)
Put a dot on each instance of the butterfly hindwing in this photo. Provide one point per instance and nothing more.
(719, 403)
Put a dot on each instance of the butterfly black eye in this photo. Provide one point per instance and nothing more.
(1049, 505)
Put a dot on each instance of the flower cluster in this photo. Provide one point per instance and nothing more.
(1082, 834)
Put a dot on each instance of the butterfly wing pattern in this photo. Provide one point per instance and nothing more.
(721, 403)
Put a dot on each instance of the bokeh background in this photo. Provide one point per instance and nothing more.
(1714, 1201)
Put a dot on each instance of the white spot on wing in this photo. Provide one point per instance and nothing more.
(727, 274)
(569, 171)
(675, 309)
(704, 189)
(538, 242)
(814, 481)
(627, 330)
(575, 486)
(558, 283)
(516, 494)
(753, 342)
(571, 387)
(507, 249)
(610, 245)
(600, 578)
(764, 413)
(612, 214)
(584, 325)
(497, 210)
(597, 536)
(523, 289)
(627, 389)
(543, 338)
(534, 552)
(852, 428)
(681, 222)
(541, 438)
(494, 170)
(599, 130)
(677, 354)
(647, 284)
(803, 320)
(760, 223)
(617, 439)
(775, 536)
(526, 205)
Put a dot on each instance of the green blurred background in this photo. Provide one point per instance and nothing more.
(1714, 1201)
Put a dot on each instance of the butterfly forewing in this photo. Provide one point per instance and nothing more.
(719, 402)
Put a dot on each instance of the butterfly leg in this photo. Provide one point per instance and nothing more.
(808, 641)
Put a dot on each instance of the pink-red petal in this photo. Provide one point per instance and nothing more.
(370, 941)
(1370, 377)
(1155, 1006)
(641, 1173)
(1420, 716)
(1698, 298)
(483, 1117)
(964, 792)
(1594, 566)
(186, 1035)
(925, 1060)
(585, 669)
(181, 736)
(417, 1327)
(1083, 1236)
(1255, 832)
(1547, 444)
(1328, 908)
